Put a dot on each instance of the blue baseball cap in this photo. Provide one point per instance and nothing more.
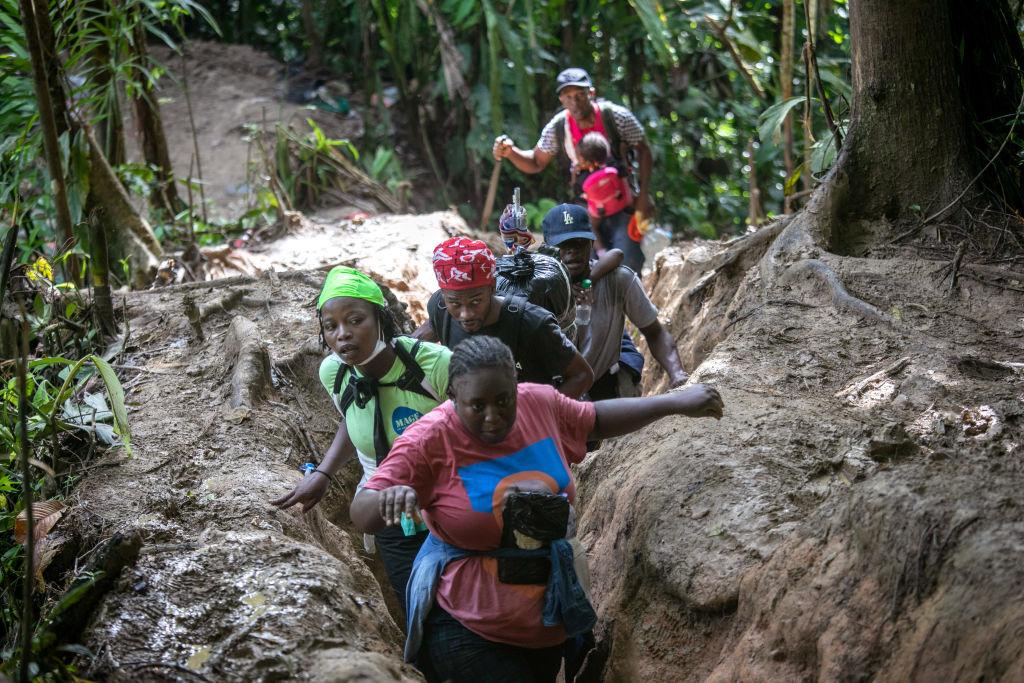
(566, 222)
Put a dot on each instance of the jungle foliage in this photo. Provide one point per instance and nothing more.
(711, 81)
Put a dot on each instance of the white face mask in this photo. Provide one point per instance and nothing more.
(378, 347)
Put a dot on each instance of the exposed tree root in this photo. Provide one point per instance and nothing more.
(72, 612)
(857, 388)
(841, 299)
(251, 375)
(230, 301)
(310, 277)
(195, 319)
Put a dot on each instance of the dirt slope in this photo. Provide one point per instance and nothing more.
(226, 586)
(232, 87)
(827, 528)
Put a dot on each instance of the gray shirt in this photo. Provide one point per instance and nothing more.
(617, 296)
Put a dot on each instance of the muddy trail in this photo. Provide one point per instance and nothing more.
(855, 515)
(226, 587)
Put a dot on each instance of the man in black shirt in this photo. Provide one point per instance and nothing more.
(467, 305)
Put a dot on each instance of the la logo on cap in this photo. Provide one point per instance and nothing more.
(567, 218)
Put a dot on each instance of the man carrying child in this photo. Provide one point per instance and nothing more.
(561, 138)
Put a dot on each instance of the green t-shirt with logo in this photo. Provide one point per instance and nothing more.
(399, 408)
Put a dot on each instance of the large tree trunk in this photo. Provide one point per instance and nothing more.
(906, 150)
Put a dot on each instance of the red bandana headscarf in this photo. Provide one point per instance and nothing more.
(462, 263)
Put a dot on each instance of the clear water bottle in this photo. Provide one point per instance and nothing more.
(583, 309)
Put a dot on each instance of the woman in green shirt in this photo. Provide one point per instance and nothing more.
(381, 383)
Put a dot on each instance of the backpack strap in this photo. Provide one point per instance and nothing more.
(344, 397)
(414, 378)
(516, 306)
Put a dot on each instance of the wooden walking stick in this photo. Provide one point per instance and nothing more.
(492, 190)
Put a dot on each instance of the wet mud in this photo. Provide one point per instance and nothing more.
(227, 587)
(854, 515)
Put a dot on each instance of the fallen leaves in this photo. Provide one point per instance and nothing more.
(45, 515)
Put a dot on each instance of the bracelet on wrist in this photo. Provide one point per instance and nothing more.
(330, 477)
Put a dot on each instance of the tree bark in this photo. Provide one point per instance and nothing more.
(906, 149)
(152, 140)
(786, 84)
(907, 144)
(48, 122)
(99, 268)
(48, 45)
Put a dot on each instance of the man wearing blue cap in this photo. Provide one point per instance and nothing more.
(615, 297)
(583, 114)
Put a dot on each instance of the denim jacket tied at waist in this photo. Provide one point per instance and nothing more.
(565, 602)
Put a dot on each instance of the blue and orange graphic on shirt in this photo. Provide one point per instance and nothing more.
(485, 482)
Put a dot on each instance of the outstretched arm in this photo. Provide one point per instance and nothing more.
(314, 485)
(528, 161)
(619, 416)
(663, 348)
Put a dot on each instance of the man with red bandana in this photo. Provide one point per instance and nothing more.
(467, 304)
(583, 114)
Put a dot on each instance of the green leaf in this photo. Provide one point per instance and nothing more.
(772, 117)
(823, 154)
(790, 185)
(655, 22)
(116, 393)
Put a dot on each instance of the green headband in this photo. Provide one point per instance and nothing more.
(345, 281)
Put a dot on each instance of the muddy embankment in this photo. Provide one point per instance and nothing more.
(855, 515)
(226, 587)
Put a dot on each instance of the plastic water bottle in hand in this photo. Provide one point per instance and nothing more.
(583, 307)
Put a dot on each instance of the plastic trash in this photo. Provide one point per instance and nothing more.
(583, 310)
(656, 239)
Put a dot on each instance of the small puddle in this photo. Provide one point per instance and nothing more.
(196, 661)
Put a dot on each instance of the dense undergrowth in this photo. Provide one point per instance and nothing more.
(56, 416)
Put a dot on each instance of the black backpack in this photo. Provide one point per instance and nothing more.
(541, 279)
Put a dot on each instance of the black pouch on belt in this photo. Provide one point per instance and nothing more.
(532, 520)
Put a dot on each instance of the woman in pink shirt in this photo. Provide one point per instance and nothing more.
(459, 464)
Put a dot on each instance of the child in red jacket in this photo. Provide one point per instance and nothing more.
(607, 192)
